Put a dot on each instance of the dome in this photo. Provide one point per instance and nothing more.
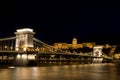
(74, 41)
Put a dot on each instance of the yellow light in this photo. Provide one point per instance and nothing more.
(31, 57)
(98, 47)
(24, 56)
(25, 29)
(24, 49)
(18, 56)
(16, 49)
(5, 46)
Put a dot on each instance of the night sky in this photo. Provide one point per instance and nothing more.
(61, 21)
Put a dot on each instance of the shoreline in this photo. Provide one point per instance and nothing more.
(48, 64)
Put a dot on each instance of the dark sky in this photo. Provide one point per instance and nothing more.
(61, 21)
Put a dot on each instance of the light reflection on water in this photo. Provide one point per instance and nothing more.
(63, 72)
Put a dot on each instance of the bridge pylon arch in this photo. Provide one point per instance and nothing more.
(97, 52)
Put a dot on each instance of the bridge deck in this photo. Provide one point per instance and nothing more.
(51, 53)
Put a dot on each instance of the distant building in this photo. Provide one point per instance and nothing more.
(73, 45)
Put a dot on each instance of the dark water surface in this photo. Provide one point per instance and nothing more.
(64, 72)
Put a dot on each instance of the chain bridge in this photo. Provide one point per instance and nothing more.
(24, 48)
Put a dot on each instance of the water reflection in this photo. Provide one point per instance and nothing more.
(64, 72)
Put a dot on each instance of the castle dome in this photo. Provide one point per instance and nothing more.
(74, 41)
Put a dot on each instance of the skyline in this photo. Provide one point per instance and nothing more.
(61, 22)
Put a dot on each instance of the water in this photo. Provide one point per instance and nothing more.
(63, 72)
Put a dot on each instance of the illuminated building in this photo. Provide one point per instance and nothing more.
(74, 45)
(24, 38)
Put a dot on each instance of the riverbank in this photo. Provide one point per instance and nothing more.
(116, 61)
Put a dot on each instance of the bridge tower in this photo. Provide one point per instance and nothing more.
(97, 51)
(24, 39)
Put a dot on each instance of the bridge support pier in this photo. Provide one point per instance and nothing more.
(25, 60)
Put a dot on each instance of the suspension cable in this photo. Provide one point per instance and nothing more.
(39, 41)
(4, 39)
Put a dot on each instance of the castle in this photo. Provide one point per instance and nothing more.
(73, 45)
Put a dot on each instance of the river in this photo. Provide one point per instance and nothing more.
(63, 72)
